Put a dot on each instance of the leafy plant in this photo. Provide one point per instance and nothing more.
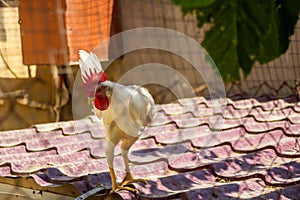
(244, 31)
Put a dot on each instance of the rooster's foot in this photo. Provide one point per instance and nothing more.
(123, 187)
(125, 184)
(129, 179)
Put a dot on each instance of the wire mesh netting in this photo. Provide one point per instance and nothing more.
(257, 150)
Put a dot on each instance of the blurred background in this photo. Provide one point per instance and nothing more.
(39, 41)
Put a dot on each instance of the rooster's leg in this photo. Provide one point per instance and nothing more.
(110, 157)
(113, 136)
(110, 161)
(127, 143)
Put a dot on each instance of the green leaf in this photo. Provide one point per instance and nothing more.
(281, 26)
(188, 6)
(292, 6)
(192, 4)
(222, 39)
(243, 31)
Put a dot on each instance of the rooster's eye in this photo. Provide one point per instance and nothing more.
(108, 93)
(103, 91)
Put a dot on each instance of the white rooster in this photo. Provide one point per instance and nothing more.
(125, 111)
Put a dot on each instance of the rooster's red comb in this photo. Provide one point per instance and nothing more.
(91, 72)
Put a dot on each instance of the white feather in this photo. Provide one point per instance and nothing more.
(131, 107)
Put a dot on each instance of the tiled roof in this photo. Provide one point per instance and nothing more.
(255, 156)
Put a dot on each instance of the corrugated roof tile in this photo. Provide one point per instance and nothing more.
(187, 152)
